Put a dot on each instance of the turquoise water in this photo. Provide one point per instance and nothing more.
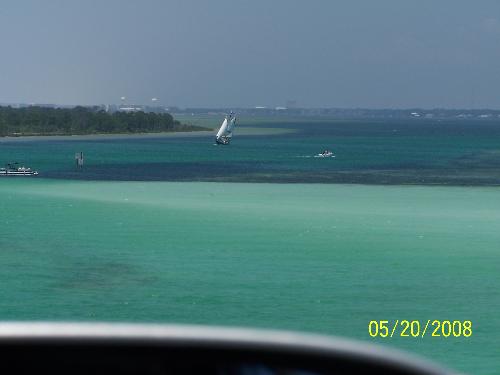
(389, 152)
(311, 257)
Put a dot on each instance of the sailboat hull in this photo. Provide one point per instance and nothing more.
(222, 141)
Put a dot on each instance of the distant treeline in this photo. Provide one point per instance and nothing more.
(84, 120)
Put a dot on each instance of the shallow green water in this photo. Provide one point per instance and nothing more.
(325, 258)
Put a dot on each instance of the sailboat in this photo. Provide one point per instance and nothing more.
(225, 132)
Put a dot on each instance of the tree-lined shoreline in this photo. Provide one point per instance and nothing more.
(40, 121)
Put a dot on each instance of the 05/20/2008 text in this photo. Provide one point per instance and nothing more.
(416, 328)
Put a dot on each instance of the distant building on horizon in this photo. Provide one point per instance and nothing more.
(130, 108)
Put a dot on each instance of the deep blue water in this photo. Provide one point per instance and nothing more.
(394, 152)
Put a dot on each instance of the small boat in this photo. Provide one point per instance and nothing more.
(325, 154)
(11, 169)
(225, 132)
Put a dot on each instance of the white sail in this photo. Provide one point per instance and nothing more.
(226, 130)
(223, 129)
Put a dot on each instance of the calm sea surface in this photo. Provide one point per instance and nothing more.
(389, 152)
(315, 257)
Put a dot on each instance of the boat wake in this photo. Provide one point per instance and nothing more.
(324, 156)
(315, 156)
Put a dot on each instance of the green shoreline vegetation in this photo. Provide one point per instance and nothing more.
(34, 121)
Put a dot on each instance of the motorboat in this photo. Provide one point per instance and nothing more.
(12, 169)
(325, 154)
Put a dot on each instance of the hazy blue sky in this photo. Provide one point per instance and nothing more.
(352, 53)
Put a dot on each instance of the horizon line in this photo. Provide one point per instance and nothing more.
(259, 107)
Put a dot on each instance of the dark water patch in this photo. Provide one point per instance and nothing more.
(392, 174)
(374, 177)
(105, 275)
(481, 160)
(158, 171)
